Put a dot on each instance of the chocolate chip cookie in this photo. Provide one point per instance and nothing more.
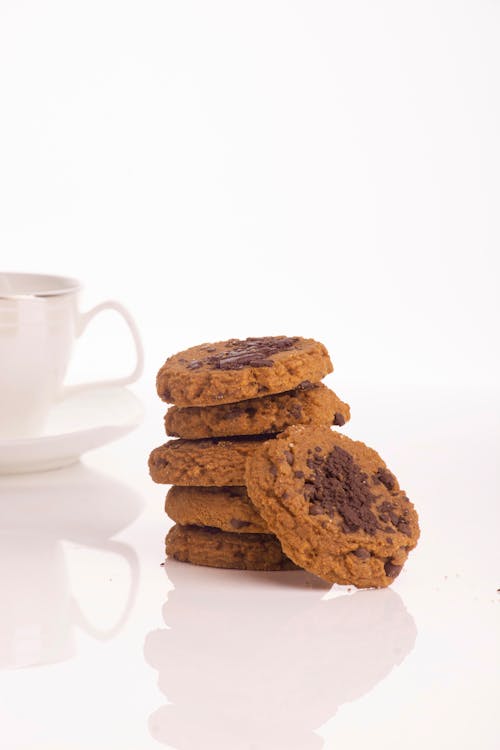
(226, 508)
(334, 505)
(212, 462)
(309, 403)
(235, 370)
(221, 549)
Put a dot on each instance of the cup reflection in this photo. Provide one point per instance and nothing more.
(38, 513)
(260, 660)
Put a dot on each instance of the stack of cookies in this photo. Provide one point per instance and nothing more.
(260, 480)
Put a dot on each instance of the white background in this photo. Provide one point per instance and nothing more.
(228, 169)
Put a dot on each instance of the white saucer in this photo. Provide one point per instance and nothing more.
(78, 424)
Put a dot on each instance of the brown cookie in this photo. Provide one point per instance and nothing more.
(226, 508)
(310, 403)
(333, 504)
(222, 549)
(235, 370)
(212, 462)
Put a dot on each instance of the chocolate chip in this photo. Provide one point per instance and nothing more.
(298, 474)
(318, 449)
(295, 411)
(338, 419)
(237, 524)
(392, 570)
(362, 553)
(166, 395)
(194, 365)
(273, 470)
(289, 457)
(384, 476)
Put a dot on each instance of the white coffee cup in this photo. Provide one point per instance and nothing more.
(39, 323)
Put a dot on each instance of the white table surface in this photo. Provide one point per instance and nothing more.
(101, 647)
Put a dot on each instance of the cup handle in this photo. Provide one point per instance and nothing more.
(83, 321)
(128, 553)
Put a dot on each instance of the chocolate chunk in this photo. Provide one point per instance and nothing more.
(251, 411)
(251, 352)
(237, 524)
(384, 476)
(404, 527)
(338, 419)
(392, 570)
(306, 385)
(295, 411)
(340, 486)
(362, 553)
(289, 457)
(298, 474)
(194, 365)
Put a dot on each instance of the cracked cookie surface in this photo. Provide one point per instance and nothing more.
(221, 549)
(225, 508)
(309, 403)
(334, 505)
(210, 462)
(234, 370)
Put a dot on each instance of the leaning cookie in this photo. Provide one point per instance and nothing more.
(309, 403)
(235, 370)
(333, 504)
(212, 462)
(221, 549)
(225, 508)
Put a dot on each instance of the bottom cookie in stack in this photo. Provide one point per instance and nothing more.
(218, 527)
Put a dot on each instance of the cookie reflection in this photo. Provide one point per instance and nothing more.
(262, 666)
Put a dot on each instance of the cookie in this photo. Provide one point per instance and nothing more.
(235, 370)
(333, 504)
(221, 549)
(309, 403)
(212, 462)
(226, 508)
